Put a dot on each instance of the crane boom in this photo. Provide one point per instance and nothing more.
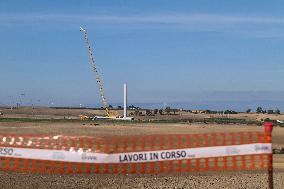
(98, 78)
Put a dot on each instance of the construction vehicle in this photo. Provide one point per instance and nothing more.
(84, 117)
(109, 113)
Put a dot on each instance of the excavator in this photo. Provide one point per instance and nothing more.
(110, 114)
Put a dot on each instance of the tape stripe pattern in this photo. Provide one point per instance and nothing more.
(136, 157)
(135, 154)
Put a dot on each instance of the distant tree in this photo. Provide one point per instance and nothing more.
(208, 111)
(277, 111)
(110, 106)
(259, 110)
(233, 112)
(161, 111)
(230, 112)
(212, 112)
(136, 113)
(168, 110)
(156, 111)
(119, 107)
(270, 112)
(132, 107)
(248, 110)
(174, 111)
(149, 113)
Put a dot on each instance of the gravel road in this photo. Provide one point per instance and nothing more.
(217, 180)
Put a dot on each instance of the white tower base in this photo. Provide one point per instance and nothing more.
(125, 104)
(125, 100)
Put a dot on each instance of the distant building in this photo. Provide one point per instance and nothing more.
(198, 111)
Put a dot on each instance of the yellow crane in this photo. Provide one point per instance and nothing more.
(110, 114)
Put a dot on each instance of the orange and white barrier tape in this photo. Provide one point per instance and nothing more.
(135, 154)
(135, 157)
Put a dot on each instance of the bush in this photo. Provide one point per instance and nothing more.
(149, 113)
(168, 110)
(259, 110)
(156, 111)
(248, 111)
(230, 112)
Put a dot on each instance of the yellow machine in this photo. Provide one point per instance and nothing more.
(84, 117)
(109, 114)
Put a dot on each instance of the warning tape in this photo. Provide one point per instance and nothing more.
(135, 154)
(135, 157)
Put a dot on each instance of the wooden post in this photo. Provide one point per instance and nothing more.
(268, 127)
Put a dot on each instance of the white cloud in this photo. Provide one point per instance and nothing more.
(147, 19)
(250, 26)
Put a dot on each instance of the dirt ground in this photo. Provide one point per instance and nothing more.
(215, 181)
(204, 180)
(120, 129)
(51, 113)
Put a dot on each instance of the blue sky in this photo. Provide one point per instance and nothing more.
(166, 50)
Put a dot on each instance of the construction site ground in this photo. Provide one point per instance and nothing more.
(100, 128)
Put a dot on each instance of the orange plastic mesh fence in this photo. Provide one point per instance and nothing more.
(135, 154)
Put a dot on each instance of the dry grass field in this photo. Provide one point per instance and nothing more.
(77, 128)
